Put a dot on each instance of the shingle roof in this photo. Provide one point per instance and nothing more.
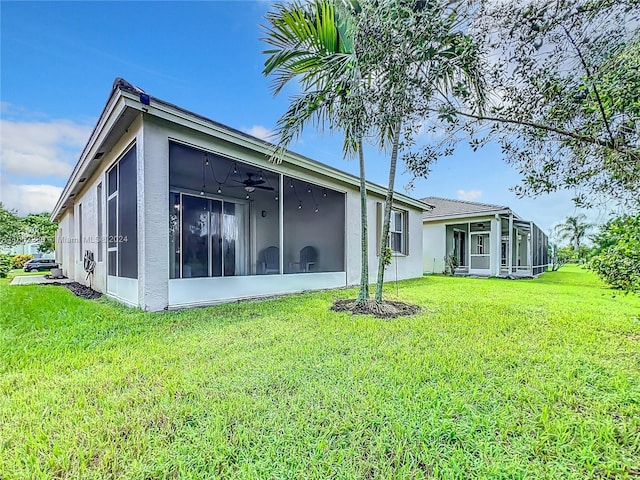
(444, 208)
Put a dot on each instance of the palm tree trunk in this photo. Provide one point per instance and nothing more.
(387, 211)
(363, 295)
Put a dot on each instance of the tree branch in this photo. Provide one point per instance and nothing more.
(587, 70)
(576, 136)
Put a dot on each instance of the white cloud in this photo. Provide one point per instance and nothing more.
(261, 132)
(44, 148)
(469, 196)
(28, 199)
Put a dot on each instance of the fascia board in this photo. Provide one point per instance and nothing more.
(469, 215)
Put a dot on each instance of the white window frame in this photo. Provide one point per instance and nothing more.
(480, 245)
(402, 231)
(100, 221)
(114, 197)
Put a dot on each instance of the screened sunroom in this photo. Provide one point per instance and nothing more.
(231, 219)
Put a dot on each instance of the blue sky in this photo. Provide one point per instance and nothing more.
(59, 60)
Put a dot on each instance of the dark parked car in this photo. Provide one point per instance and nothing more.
(38, 264)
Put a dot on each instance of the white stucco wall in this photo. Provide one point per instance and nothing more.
(153, 215)
(434, 247)
(64, 247)
(408, 266)
(72, 257)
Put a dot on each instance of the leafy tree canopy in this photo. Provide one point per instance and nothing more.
(618, 261)
(36, 228)
(572, 67)
(10, 227)
(562, 77)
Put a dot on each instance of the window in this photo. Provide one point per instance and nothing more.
(397, 233)
(100, 229)
(122, 222)
(398, 228)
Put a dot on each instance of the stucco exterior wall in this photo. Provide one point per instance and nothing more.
(153, 215)
(69, 225)
(64, 245)
(408, 266)
(434, 242)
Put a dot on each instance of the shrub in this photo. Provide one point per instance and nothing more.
(619, 265)
(6, 264)
(618, 261)
(450, 264)
(559, 256)
(20, 259)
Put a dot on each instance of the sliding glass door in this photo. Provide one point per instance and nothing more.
(213, 240)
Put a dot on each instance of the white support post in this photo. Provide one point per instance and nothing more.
(281, 221)
(152, 149)
(468, 242)
(494, 244)
(529, 249)
(510, 252)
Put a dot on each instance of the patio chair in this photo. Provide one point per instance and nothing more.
(308, 259)
(269, 260)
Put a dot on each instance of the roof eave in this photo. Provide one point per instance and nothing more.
(120, 100)
(116, 104)
(170, 112)
(470, 215)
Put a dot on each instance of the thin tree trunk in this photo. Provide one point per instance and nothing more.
(363, 295)
(387, 212)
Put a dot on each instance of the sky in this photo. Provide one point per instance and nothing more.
(59, 61)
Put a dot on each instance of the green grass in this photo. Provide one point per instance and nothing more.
(495, 379)
(17, 272)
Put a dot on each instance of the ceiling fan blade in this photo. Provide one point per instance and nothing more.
(264, 188)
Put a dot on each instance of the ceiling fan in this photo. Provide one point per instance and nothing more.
(250, 184)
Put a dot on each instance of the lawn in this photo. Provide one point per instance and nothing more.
(494, 379)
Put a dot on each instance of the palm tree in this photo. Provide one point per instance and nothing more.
(368, 67)
(574, 229)
(311, 43)
(416, 52)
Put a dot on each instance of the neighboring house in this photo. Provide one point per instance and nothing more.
(27, 249)
(178, 210)
(486, 240)
(22, 249)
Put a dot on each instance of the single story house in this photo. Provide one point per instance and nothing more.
(169, 209)
(484, 239)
